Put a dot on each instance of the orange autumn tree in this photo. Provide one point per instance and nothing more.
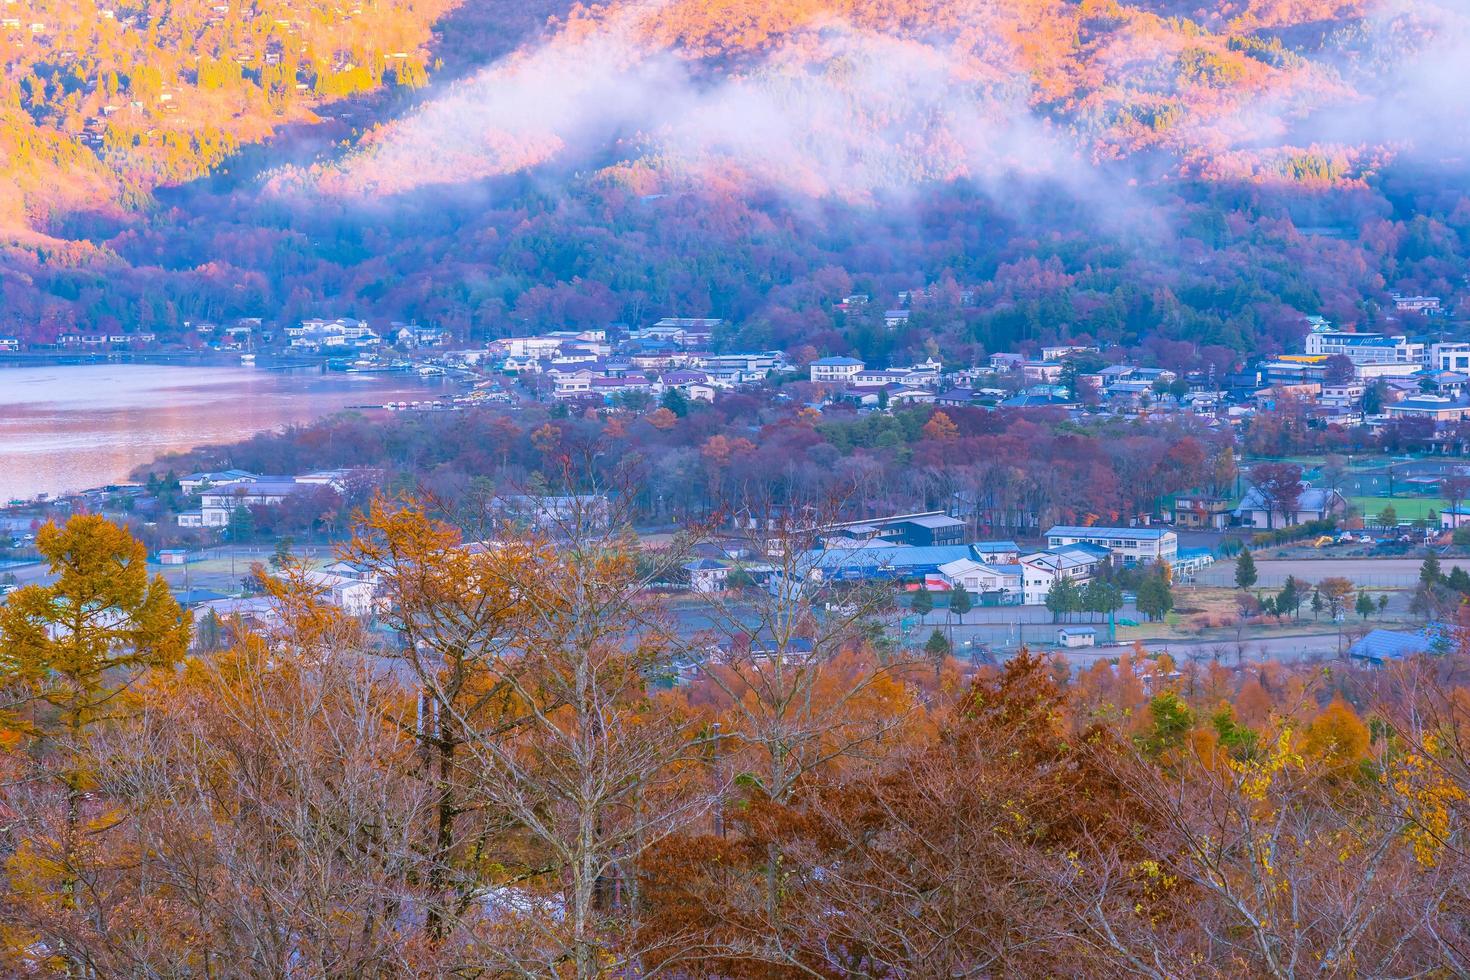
(454, 606)
(71, 653)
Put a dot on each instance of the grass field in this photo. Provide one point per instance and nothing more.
(1407, 508)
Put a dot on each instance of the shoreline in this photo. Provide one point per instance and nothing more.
(70, 448)
(182, 358)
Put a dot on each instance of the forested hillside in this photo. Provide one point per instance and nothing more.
(1144, 173)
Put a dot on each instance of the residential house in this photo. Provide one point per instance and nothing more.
(610, 388)
(1315, 504)
(353, 596)
(218, 503)
(413, 335)
(568, 385)
(706, 575)
(1450, 384)
(1343, 394)
(1128, 545)
(1045, 372)
(695, 385)
(552, 512)
(955, 398)
(1197, 509)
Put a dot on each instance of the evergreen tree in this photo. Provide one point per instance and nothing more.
(1245, 569)
(1430, 573)
(960, 602)
(923, 602)
(1317, 604)
(1289, 599)
(1382, 604)
(676, 401)
(1365, 605)
(1155, 598)
(1062, 598)
(242, 524)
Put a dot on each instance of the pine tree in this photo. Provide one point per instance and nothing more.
(1245, 569)
(1289, 599)
(960, 602)
(923, 602)
(1365, 605)
(1430, 573)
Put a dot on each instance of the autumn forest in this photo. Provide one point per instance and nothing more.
(533, 773)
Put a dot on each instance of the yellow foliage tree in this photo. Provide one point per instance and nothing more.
(70, 652)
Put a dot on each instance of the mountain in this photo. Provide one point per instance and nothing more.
(1144, 173)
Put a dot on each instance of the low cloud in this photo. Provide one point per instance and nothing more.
(835, 112)
(839, 111)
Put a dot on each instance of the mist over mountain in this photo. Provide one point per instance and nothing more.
(1164, 173)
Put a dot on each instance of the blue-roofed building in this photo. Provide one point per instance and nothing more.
(879, 562)
(1127, 545)
(835, 370)
(1390, 646)
(997, 552)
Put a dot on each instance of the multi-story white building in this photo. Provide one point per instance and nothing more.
(1129, 545)
(835, 370)
(1043, 569)
(1366, 348)
(1450, 356)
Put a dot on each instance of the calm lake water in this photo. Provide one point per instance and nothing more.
(70, 427)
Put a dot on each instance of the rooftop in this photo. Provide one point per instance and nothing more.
(1136, 533)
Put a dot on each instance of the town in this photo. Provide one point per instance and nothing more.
(1381, 485)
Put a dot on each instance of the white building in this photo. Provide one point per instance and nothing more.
(1366, 348)
(835, 370)
(706, 575)
(980, 579)
(1128, 545)
(1450, 356)
(1072, 637)
(353, 596)
(1043, 569)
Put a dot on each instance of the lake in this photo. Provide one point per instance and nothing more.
(68, 427)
